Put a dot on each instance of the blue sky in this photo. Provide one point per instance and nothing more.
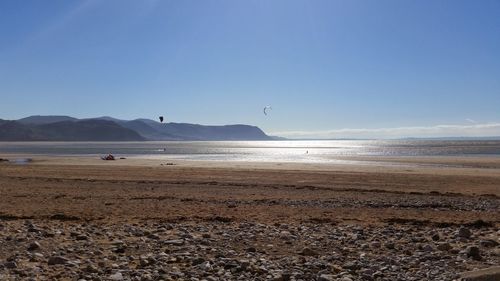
(328, 68)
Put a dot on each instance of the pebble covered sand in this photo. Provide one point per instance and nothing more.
(219, 250)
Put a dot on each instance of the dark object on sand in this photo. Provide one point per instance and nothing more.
(4, 160)
(123, 158)
(108, 157)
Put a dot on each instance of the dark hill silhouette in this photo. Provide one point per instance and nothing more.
(66, 128)
(40, 119)
(144, 127)
(86, 130)
(15, 131)
(154, 130)
(200, 132)
(148, 131)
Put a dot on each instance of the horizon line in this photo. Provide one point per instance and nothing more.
(477, 130)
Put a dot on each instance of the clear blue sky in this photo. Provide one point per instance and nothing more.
(322, 65)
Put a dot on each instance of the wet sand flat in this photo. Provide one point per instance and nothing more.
(105, 189)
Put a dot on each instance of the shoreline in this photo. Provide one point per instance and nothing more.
(451, 165)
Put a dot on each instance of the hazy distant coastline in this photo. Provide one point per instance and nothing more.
(479, 138)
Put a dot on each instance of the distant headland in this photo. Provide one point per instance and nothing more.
(66, 128)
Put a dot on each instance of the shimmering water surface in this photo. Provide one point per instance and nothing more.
(260, 151)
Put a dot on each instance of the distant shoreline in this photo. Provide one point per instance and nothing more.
(452, 165)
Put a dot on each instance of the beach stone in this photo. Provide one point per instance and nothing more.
(308, 252)
(152, 260)
(488, 243)
(33, 246)
(57, 260)
(327, 277)
(144, 262)
(464, 233)
(120, 249)
(91, 269)
(10, 264)
(351, 265)
(473, 252)
(244, 263)
(82, 237)
(428, 248)
(496, 252)
(154, 236)
(279, 277)
(116, 277)
(367, 272)
(251, 250)
(444, 246)
(197, 261)
(436, 237)
(32, 228)
(206, 266)
(174, 242)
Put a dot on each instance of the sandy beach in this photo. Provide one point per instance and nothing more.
(401, 218)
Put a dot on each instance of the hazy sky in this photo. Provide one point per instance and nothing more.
(328, 68)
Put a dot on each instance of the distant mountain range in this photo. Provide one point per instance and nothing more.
(66, 128)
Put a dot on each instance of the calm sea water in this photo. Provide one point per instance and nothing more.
(260, 151)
